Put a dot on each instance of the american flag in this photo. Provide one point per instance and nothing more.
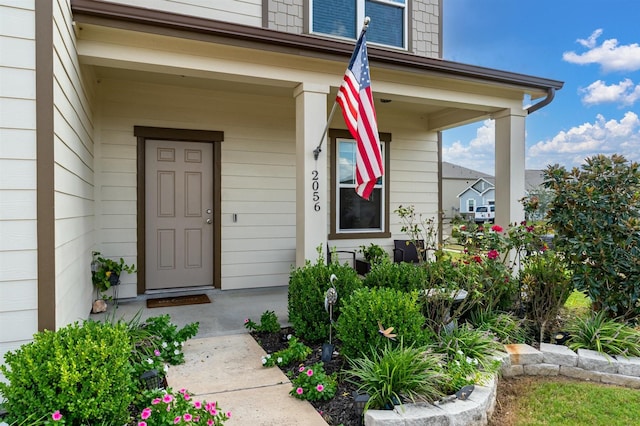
(359, 113)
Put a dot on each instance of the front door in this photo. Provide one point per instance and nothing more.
(179, 214)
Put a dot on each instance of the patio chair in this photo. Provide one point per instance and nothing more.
(352, 255)
(405, 251)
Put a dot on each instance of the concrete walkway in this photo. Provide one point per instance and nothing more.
(223, 362)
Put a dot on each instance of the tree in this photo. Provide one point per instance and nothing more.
(595, 213)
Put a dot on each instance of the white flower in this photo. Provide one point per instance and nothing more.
(289, 336)
(460, 352)
(166, 368)
(181, 343)
(264, 360)
(176, 344)
(164, 344)
(176, 352)
(279, 360)
(149, 361)
(268, 355)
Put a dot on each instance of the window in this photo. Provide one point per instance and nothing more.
(344, 18)
(352, 216)
(471, 205)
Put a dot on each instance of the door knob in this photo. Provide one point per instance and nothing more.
(209, 221)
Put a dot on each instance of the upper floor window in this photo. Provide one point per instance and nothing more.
(344, 18)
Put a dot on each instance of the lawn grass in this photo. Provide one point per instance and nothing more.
(550, 403)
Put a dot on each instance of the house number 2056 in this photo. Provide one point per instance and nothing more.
(315, 185)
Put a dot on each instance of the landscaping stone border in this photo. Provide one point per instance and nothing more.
(518, 359)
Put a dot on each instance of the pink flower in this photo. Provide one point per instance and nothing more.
(299, 391)
(56, 416)
(187, 417)
(309, 372)
(146, 413)
(197, 404)
(183, 391)
(177, 420)
(228, 414)
(209, 422)
(213, 412)
(497, 228)
(301, 369)
(493, 254)
(246, 320)
(142, 423)
(187, 397)
(156, 352)
(477, 259)
(210, 406)
(167, 398)
(319, 388)
(156, 401)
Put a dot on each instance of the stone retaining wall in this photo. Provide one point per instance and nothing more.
(550, 360)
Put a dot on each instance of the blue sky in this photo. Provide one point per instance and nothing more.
(591, 45)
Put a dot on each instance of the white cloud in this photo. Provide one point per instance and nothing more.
(609, 55)
(570, 148)
(478, 154)
(624, 93)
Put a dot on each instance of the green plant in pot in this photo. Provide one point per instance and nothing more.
(105, 272)
(373, 254)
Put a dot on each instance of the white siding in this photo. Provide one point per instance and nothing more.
(258, 173)
(73, 174)
(246, 12)
(18, 289)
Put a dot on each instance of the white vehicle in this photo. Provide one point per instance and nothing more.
(485, 214)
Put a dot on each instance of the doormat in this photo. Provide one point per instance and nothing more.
(196, 299)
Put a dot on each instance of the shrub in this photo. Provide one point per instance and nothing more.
(170, 338)
(605, 335)
(374, 254)
(396, 373)
(307, 288)
(505, 326)
(295, 352)
(464, 340)
(546, 285)
(358, 325)
(399, 276)
(597, 222)
(81, 370)
(168, 407)
(268, 323)
(462, 370)
(314, 384)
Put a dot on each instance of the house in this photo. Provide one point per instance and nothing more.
(481, 193)
(464, 189)
(180, 137)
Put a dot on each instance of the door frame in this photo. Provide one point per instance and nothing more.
(142, 133)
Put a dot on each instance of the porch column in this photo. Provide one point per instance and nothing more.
(510, 165)
(311, 175)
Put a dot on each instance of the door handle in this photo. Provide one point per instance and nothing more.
(209, 221)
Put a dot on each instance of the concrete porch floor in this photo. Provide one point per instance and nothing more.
(223, 362)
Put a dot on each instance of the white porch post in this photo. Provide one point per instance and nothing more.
(510, 165)
(311, 175)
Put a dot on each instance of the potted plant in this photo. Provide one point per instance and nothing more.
(373, 254)
(105, 273)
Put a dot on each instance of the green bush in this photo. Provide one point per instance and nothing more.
(475, 344)
(295, 352)
(597, 227)
(307, 289)
(268, 323)
(605, 335)
(546, 285)
(170, 337)
(396, 373)
(367, 309)
(399, 276)
(505, 326)
(81, 370)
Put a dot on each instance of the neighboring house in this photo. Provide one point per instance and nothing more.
(481, 193)
(181, 138)
(464, 189)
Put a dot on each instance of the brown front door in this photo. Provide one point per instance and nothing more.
(179, 214)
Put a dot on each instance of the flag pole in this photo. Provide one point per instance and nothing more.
(316, 152)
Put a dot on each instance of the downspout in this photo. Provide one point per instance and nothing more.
(551, 93)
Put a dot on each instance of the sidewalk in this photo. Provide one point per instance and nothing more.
(228, 369)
